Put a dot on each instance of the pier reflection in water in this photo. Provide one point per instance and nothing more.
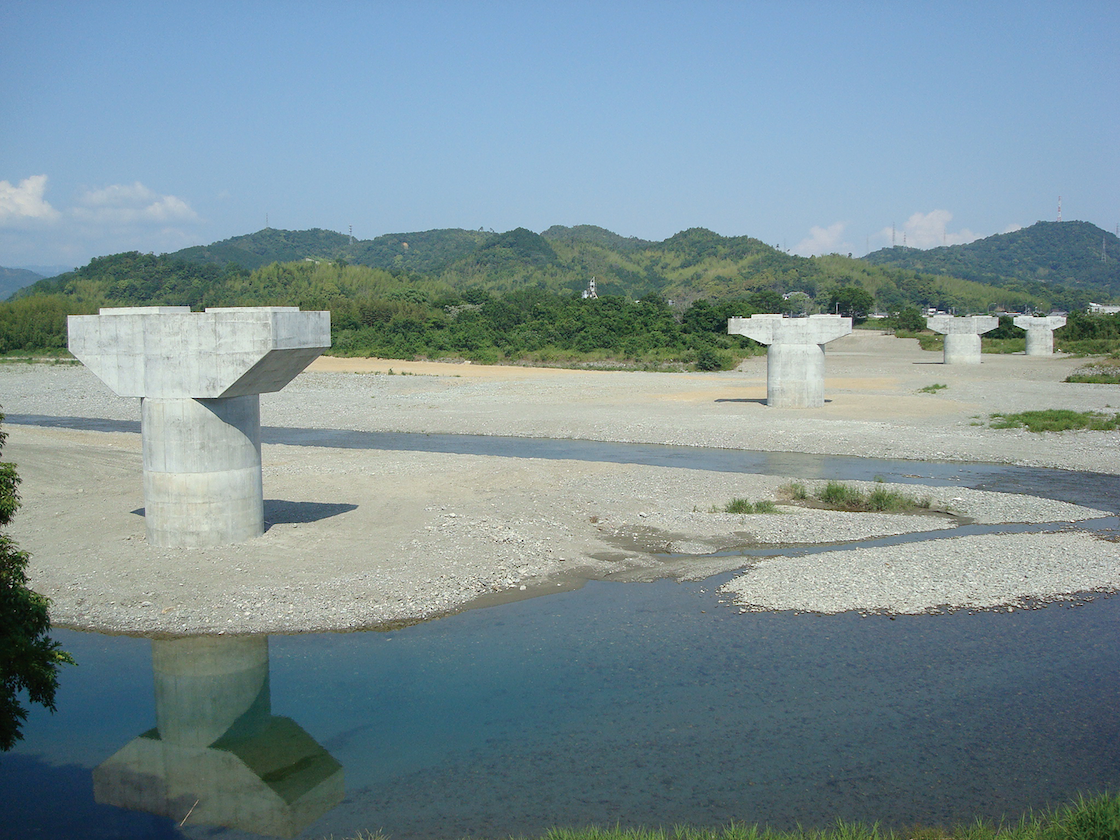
(636, 704)
(217, 753)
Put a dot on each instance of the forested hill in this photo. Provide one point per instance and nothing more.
(1077, 254)
(512, 295)
(12, 279)
(695, 264)
(424, 251)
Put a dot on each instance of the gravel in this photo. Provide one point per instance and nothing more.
(361, 539)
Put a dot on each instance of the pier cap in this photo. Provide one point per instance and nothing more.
(963, 325)
(170, 352)
(1043, 322)
(777, 329)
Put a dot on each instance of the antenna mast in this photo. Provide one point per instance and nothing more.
(1059, 208)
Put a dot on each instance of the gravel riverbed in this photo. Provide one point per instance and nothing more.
(376, 538)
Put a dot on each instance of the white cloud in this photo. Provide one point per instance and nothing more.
(25, 202)
(131, 204)
(928, 230)
(823, 241)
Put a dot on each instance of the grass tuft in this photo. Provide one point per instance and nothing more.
(746, 506)
(1089, 818)
(837, 495)
(932, 389)
(1056, 420)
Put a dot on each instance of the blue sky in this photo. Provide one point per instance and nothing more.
(813, 126)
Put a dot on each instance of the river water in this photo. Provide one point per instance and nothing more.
(617, 703)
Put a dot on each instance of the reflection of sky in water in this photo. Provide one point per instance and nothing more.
(646, 703)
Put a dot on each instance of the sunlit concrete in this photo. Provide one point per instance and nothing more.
(199, 376)
(795, 360)
(962, 336)
(1040, 332)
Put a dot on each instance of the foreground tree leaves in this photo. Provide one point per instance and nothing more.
(29, 658)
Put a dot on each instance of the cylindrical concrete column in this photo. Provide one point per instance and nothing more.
(795, 376)
(202, 470)
(962, 349)
(1040, 342)
(207, 685)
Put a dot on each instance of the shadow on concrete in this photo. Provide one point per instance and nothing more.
(283, 512)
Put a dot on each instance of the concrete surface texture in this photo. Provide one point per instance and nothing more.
(1040, 332)
(795, 360)
(218, 753)
(199, 377)
(962, 336)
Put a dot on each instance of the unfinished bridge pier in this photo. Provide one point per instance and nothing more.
(1040, 332)
(795, 358)
(199, 376)
(962, 335)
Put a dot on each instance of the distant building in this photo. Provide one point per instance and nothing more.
(1098, 309)
(589, 292)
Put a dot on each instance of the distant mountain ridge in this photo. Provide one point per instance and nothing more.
(1076, 254)
(455, 265)
(14, 279)
(423, 251)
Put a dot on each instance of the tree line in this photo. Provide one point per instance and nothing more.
(400, 314)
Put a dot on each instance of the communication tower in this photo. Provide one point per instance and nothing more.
(1059, 208)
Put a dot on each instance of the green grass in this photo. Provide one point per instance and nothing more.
(747, 506)
(1089, 818)
(1056, 420)
(839, 496)
(1003, 345)
(932, 389)
(797, 491)
(1099, 372)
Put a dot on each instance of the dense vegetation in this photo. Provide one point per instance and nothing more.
(509, 296)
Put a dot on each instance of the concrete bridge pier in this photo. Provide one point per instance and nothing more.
(199, 376)
(962, 336)
(1040, 332)
(795, 360)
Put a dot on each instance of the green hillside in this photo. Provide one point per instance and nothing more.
(516, 295)
(423, 252)
(12, 279)
(1075, 254)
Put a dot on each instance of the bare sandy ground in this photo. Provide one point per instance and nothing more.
(375, 538)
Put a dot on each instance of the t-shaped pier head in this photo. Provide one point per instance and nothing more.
(795, 360)
(199, 376)
(1040, 332)
(962, 335)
